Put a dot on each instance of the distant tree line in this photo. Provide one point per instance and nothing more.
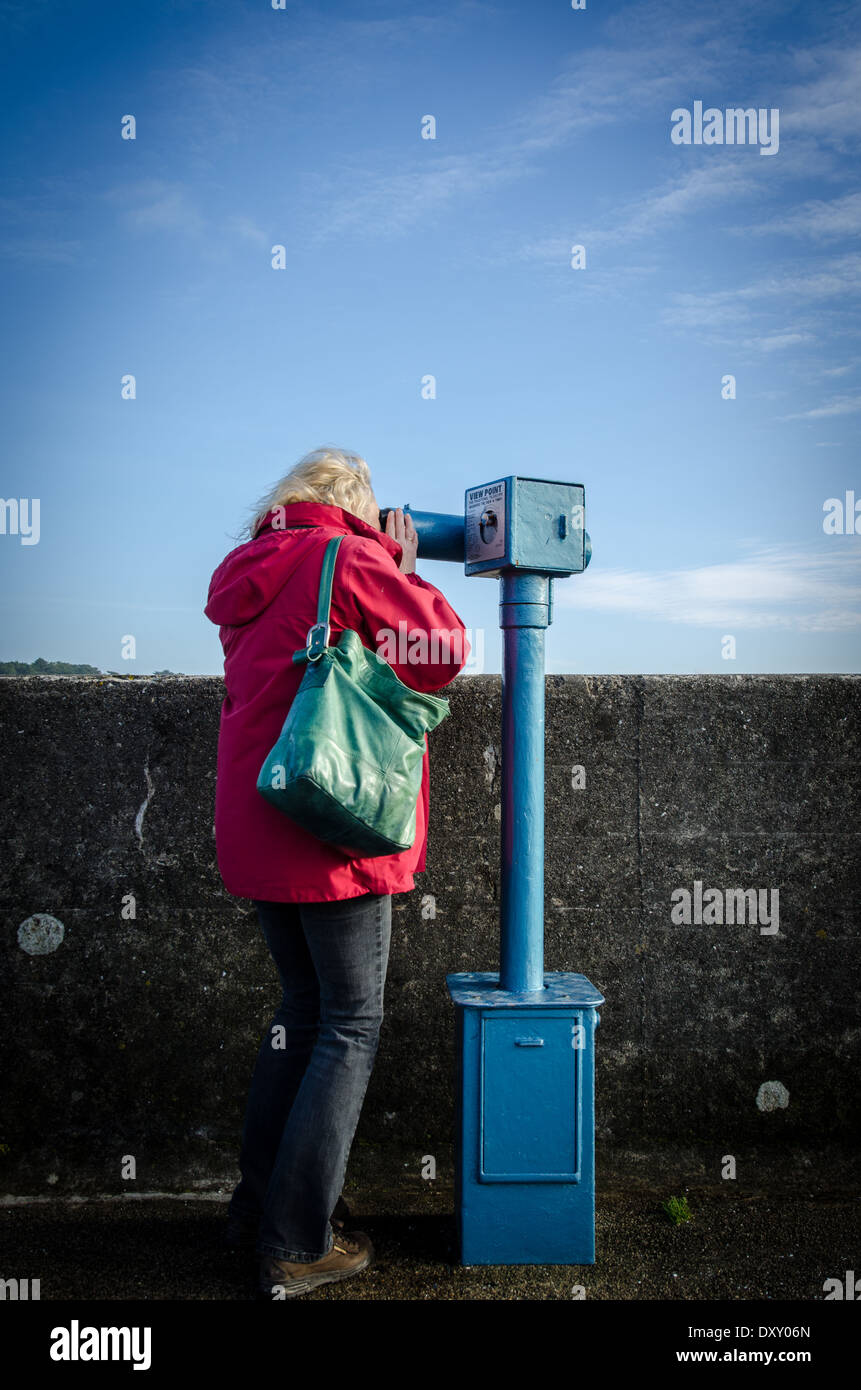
(41, 667)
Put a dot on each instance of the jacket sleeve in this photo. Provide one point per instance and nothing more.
(403, 617)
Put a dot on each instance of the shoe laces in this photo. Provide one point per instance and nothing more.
(346, 1243)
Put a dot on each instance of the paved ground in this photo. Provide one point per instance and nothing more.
(736, 1247)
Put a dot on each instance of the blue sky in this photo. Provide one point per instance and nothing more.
(451, 257)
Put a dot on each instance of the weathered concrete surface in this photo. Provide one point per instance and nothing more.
(137, 1037)
(740, 1248)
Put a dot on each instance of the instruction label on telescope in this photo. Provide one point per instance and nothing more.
(485, 522)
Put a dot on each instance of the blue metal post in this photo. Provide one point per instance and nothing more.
(524, 613)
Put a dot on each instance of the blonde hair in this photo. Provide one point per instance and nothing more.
(335, 477)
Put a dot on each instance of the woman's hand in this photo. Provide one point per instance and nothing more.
(399, 525)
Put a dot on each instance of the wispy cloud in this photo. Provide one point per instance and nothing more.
(684, 195)
(156, 205)
(842, 370)
(776, 342)
(826, 102)
(718, 181)
(637, 65)
(387, 202)
(840, 405)
(603, 84)
(40, 251)
(275, 68)
(823, 220)
(248, 230)
(805, 590)
(628, 69)
(37, 219)
(837, 279)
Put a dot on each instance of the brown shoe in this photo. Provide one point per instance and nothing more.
(350, 1254)
(241, 1232)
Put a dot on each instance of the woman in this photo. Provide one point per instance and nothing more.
(325, 916)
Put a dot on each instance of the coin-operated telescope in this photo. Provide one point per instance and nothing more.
(525, 1180)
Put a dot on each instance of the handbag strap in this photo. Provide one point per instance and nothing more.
(318, 636)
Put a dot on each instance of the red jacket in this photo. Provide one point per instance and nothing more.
(264, 597)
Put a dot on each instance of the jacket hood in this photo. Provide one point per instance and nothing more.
(252, 575)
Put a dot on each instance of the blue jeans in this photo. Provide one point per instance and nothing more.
(313, 1067)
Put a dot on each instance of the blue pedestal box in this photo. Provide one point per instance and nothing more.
(525, 1154)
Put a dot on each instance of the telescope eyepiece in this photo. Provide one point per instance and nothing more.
(385, 512)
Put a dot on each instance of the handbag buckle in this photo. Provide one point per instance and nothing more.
(317, 640)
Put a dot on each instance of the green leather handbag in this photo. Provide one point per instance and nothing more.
(347, 765)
